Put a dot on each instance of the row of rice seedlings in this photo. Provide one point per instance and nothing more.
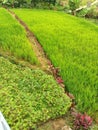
(13, 38)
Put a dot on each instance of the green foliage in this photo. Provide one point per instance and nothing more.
(92, 12)
(72, 45)
(29, 3)
(13, 38)
(28, 97)
(82, 13)
(0, 2)
(74, 4)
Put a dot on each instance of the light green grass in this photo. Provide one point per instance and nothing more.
(29, 97)
(13, 38)
(71, 44)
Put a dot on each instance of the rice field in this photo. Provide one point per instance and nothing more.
(13, 38)
(72, 44)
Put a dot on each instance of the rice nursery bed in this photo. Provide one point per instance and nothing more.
(13, 38)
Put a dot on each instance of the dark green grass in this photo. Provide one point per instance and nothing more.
(29, 97)
(13, 38)
(71, 44)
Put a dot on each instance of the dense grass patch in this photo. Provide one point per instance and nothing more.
(71, 44)
(13, 38)
(28, 97)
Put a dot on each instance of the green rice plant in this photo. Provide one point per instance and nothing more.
(13, 38)
(72, 44)
(29, 97)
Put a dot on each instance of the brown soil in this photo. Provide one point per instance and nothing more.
(57, 124)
